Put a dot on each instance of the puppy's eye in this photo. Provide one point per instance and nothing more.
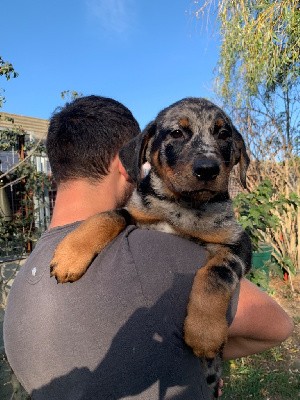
(224, 134)
(177, 134)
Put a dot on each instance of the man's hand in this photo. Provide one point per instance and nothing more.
(221, 384)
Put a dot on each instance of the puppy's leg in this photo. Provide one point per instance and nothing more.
(213, 373)
(77, 250)
(205, 326)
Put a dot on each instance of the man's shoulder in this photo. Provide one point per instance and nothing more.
(152, 245)
(151, 236)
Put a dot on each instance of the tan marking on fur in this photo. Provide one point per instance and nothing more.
(206, 327)
(220, 122)
(184, 122)
(143, 217)
(76, 251)
(214, 235)
(156, 163)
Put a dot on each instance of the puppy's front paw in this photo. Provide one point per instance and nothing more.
(77, 250)
(205, 334)
(70, 260)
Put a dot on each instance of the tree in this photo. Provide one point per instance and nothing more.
(260, 43)
(27, 184)
(7, 70)
(259, 63)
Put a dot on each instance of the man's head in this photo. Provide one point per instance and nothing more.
(85, 135)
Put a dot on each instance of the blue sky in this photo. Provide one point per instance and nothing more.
(146, 54)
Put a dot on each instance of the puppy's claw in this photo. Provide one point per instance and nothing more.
(62, 275)
(52, 267)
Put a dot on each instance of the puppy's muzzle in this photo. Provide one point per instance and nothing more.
(206, 169)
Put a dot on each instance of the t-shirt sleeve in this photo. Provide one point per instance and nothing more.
(233, 305)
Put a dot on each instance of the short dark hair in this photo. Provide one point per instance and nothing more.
(85, 135)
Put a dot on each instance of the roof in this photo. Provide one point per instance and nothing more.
(36, 127)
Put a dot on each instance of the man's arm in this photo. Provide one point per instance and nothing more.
(259, 324)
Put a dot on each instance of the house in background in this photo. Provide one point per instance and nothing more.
(34, 129)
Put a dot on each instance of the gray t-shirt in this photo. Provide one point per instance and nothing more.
(114, 334)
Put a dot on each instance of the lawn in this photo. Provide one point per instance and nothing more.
(274, 374)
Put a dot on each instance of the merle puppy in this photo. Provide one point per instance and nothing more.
(191, 147)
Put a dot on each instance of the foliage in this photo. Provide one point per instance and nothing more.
(70, 95)
(260, 212)
(261, 276)
(255, 212)
(259, 68)
(285, 178)
(29, 187)
(260, 43)
(7, 70)
(27, 184)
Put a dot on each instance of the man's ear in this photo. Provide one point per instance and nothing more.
(123, 171)
(240, 156)
(133, 154)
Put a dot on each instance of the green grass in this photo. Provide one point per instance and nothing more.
(274, 374)
(261, 377)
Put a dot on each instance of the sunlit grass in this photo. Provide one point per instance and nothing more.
(261, 377)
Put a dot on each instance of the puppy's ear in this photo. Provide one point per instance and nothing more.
(240, 155)
(133, 154)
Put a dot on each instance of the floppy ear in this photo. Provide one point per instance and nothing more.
(133, 154)
(241, 155)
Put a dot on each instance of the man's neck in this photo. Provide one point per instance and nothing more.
(80, 199)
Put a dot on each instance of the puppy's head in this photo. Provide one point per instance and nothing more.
(192, 146)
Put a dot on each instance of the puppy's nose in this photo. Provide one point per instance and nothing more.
(206, 169)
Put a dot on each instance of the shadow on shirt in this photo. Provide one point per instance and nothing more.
(147, 359)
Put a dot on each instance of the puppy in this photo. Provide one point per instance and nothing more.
(191, 147)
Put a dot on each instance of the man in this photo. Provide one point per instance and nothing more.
(117, 332)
